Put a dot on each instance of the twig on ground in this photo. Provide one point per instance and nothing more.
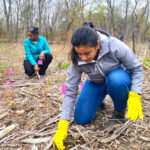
(144, 138)
(42, 121)
(116, 133)
(44, 134)
(25, 136)
(26, 84)
(30, 93)
(3, 115)
(34, 147)
(49, 145)
(88, 142)
(53, 120)
(37, 140)
(8, 138)
(7, 130)
(75, 147)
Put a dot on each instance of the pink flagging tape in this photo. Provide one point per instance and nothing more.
(9, 70)
(81, 85)
(10, 83)
(63, 89)
(40, 62)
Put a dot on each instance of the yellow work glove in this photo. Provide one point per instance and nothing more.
(61, 134)
(134, 106)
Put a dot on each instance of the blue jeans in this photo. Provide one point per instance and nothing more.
(117, 85)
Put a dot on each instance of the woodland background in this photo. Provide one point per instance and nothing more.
(30, 107)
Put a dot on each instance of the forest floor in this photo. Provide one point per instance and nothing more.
(30, 109)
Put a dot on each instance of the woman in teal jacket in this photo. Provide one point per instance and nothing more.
(36, 48)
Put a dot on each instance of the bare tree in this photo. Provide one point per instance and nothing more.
(18, 4)
(142, 20)
(126, 16)
(50, 17)
(111, 9)
(7, 12)
(41, 4)
(28, 14)
(133, 25)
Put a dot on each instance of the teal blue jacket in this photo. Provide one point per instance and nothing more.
(33, 50)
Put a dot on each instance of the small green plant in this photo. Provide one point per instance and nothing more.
(32, 90)
(147, 62)
(49, 84)
(63, 66)
(73, 142)
(53, 79)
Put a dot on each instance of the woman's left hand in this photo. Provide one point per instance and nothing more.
(134, 106)
(42, 56)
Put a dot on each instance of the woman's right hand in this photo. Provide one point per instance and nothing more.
(36, 68)
(61, 134)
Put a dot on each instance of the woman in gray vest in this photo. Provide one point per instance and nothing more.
(111, 68)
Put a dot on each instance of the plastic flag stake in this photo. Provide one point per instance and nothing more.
(63, 89)
(9, 70)
(40, 62)
(10, 83)
(81, 85)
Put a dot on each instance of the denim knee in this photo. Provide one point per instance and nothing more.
(82, 120)
(118, 78)
(118, 84)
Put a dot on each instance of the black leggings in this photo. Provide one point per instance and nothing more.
(29, 69)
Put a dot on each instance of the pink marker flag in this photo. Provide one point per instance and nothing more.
(40, 62)
(9, 70)
(63, 89)
(81, 85)
(10, 83)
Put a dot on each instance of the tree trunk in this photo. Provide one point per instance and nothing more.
(7, 15)
(133, 42)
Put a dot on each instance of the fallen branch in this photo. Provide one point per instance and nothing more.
(3, 115)
(8, 138)
(7, 130)
(30, 93)
(34, 147)
(45, 134)
(49, 145)
(9, 145)
(42, 121)
(53, 120)
(116, 133)
(25, 136)
(144, 138)
(39, 140)
(27, 84)
(88, 142)
(75, 147)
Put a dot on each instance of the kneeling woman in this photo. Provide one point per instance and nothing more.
(112, 69)
(36, 48)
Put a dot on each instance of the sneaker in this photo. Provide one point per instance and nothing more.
(116, 120)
